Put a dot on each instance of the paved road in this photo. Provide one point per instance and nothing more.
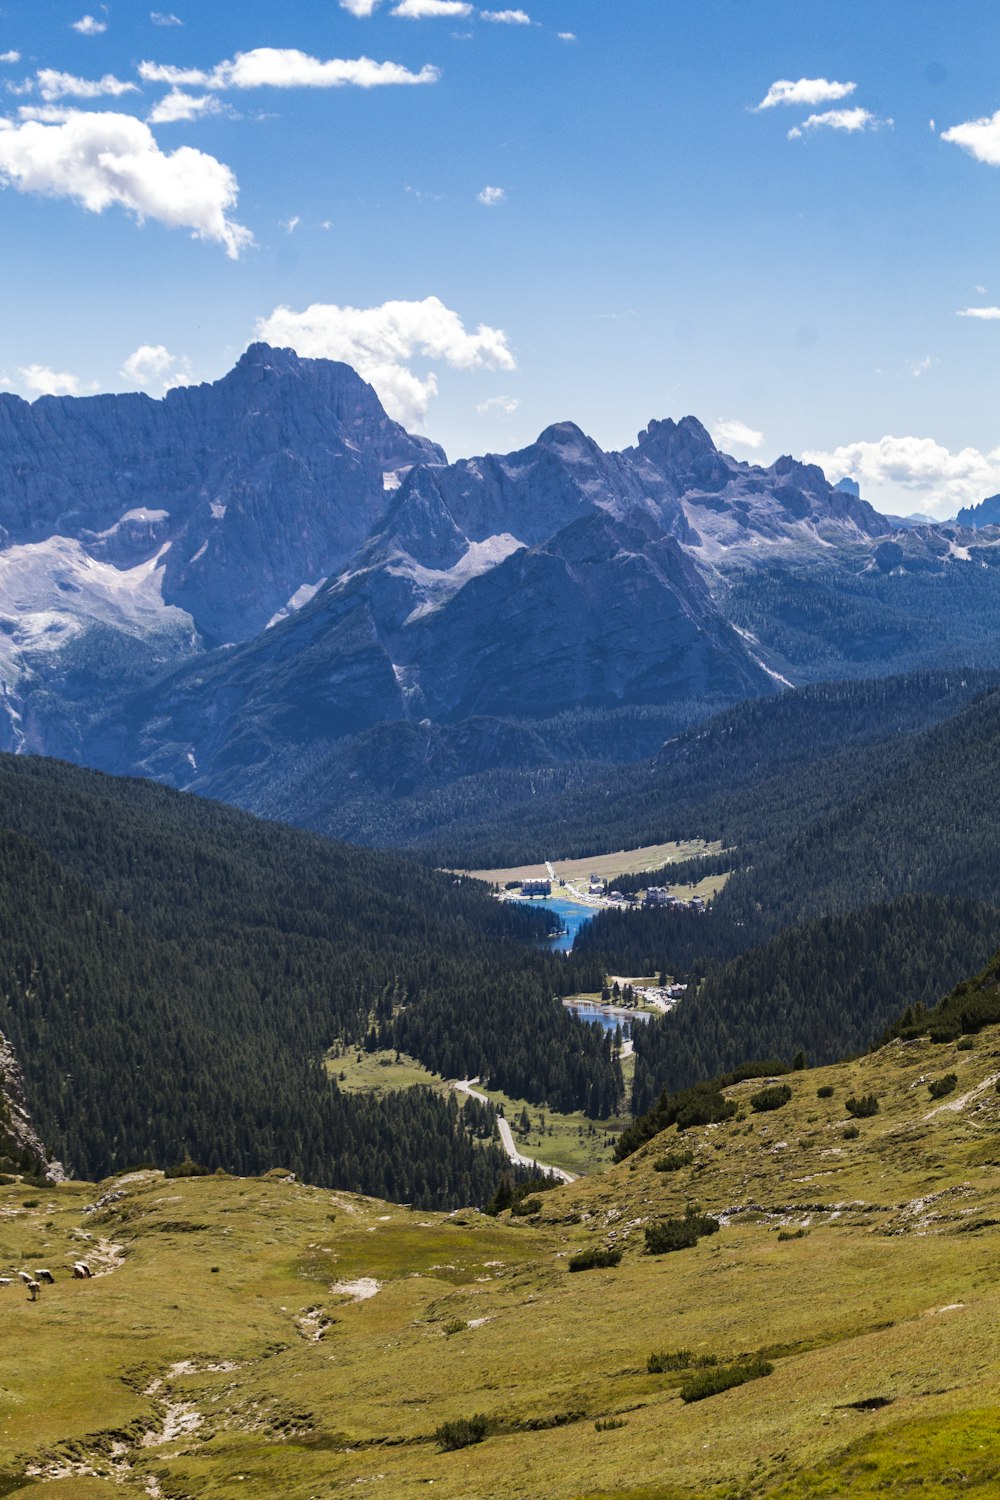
(465, 1086)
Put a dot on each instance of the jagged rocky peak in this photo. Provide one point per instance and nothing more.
(685, 453)
(986, 513)
(283, 377)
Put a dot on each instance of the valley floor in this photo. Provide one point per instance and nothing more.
(257, 1337)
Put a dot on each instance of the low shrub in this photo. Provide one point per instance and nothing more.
(826, 1092)
(967, 1044)
(792, 1234)
(595, 1259)
(525, 1207)
(724, 1378)
(609, 1424)
(770, 1098)
(679, 1234)
(455, 1325)
(680, 1359)
(187, 1169)
(862, 1108)
(673, 1161)
(939, 1087)
(850, 1132)
(463, 1432)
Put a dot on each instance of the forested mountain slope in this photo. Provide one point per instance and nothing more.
(173, 972)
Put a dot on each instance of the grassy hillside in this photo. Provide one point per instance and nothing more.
(258, 1337)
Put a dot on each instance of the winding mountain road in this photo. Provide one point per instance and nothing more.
(465, 1086)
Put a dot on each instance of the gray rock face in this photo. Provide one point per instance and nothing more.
(269, 478)
(20, 1147)
(217, 585)
(986, 513)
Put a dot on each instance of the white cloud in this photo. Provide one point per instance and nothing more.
(55, 85)
(987, 314)
(566, 36)
(148, 363)
(506, 17)
(805, 91)
(504, 406)
(421, 10)
(981, 138)
(290, 225)
(104, 158)
(895, 466)
(286, 68)
(89, 26)
(177, 106)
(49, 114)
(380, 342)
(920, 367)
(41, 381)
(360, 7)
(164, 18)
(838, 119)
(491, 195)
(736, 434)
(10, 57)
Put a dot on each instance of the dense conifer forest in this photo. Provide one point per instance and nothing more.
(174, 972)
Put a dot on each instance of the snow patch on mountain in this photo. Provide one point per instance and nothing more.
(51, 591)
(301, 597)
(440, 584)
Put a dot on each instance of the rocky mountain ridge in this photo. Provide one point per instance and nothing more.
(211, 586)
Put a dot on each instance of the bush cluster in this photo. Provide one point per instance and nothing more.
(938, 1087)
(595, 1259)
(679, 1234)
(724, 1378)
(673, 1161)
(862, 1108)
(770, 1098)
(463, 1432)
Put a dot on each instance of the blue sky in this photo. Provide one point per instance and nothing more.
(511, 215)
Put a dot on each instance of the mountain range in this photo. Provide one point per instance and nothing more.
(244, 582)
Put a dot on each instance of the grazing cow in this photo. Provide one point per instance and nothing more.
(46, 1276)
(34, 1290)
(6, 1281)
(81, 1271)
(24, 1277)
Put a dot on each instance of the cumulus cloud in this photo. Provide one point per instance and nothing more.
(805, 91)
(381, 342)
(981, 138)
(105, 158)
(736, 434)
(986, 314)
(360, 7)
(286, 68)
(55, 85)
(290, 225)
(164, 18)
(566, 36)
(942, 480)
(89, 26)
(491, 195)
(10, 57)
(420, 10)
(178, 106)
(507, 17)
(850, 120)
(504, 406)
(41, 381)
(148, 363)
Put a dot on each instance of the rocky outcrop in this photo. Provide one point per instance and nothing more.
(20, 1148)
